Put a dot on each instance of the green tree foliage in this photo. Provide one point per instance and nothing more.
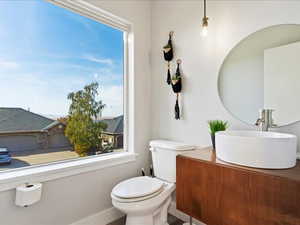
(83, 131)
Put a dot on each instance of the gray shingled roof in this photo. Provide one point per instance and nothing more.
(114, 125)
(18, 119)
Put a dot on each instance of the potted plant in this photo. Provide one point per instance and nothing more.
(214, 127)
(175, 79)
(176, 83)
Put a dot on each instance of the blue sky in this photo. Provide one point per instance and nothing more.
(47, 52)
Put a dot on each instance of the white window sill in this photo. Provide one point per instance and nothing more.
(11, 179)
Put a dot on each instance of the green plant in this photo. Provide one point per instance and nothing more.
(175, 77)
(83, 130)
(217, 125)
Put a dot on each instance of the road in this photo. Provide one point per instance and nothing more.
(34, 159)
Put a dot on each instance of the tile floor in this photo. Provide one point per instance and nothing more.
(171, 220)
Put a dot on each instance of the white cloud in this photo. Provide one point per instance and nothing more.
(48, 94)
(107, 78)
(45, 90)
(38, 92)
(105, 61)
(112, 97)
(8, 64)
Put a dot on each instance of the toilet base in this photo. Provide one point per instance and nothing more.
(159, 217)
(144, 220)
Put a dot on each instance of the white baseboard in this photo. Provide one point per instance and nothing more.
(180, 215)
(102, 218)
(109, 215)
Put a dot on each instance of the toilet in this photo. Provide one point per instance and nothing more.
(145, 200)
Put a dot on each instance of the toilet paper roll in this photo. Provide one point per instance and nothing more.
(28, 194)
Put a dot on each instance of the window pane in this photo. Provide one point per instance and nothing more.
(61, 85)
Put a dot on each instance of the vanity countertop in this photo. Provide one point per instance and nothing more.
(208, 155)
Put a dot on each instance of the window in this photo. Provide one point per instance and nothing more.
(62, 84)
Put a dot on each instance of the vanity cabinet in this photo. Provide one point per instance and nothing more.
(218, 193)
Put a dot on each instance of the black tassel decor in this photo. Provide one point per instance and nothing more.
(177, 86)
(169, 76)
(177, 110)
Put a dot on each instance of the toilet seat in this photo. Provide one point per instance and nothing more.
(137, 189)
(128, 200)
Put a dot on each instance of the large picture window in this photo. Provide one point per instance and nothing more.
(61, 85)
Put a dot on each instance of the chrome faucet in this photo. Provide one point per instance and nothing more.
(265, 121)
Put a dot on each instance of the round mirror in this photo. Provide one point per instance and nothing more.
(263, 72)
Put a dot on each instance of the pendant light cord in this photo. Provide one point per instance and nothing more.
(204, 8)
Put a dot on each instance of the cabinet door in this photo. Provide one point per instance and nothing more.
(253, 198)
(196, 188)
(274, 200)
(235, 195)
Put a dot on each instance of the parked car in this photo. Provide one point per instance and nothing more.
(5, 157)
(4, 151)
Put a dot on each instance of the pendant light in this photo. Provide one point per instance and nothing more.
(204, 21)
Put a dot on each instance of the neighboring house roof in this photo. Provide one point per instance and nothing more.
(18, 119)
(53, 124)
(114, 125)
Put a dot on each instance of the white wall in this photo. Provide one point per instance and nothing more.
(70, 199)
(230, 22)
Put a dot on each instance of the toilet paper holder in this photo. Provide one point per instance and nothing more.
(28, 194)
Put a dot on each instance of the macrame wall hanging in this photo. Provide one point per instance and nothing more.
(175, 80)
(176, 86)
(168, 55)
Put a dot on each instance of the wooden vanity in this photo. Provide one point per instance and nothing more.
(219, 193)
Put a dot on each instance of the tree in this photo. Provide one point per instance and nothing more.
(83, 130)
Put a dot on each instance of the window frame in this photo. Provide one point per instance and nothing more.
(10, 179)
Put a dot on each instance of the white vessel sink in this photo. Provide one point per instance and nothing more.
(268, 150)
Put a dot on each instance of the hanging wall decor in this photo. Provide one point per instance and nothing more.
(168, 55)
(175, 80)
(177, 86)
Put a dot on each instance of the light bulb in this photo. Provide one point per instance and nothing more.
(204, 31)
(204, 26)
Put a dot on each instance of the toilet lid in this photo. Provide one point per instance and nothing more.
(137, 187)
(130, 200)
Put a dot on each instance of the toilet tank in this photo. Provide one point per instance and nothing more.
(164, 158)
